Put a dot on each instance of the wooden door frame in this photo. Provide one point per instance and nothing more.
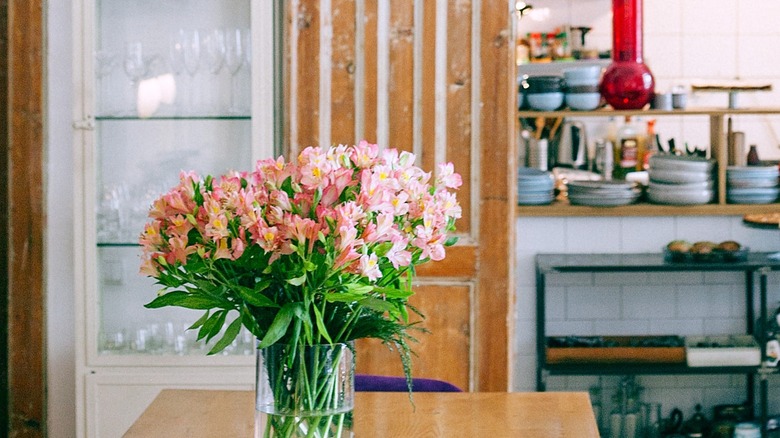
(23, 217)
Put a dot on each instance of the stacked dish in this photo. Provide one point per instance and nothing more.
(680, 180)
(602, 193)
(543, 93)
(534, 186)
(752, 184)
(582, 87)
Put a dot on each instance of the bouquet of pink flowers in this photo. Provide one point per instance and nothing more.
(318, 251)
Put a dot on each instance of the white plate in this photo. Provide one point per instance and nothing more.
(602, 201)
(524, 173)
(680, 163)
(678, 176)
(534, 185)
(752, 171)
(535, 199)
(752, 182)
(683, 198)
(701, 185)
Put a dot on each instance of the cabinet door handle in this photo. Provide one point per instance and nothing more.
(87, 124)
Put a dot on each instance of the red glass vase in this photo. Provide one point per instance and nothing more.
(628, 82)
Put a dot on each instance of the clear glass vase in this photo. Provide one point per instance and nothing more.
(305, 391)
(627, 83)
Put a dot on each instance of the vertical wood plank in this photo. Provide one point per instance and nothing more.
(5, 182)
(401, 87)
(458, 118)
(369, 70)
(307, 20)
(496, 193)
(289, 109)
(26, 320)
(343, 73)
(428, 158)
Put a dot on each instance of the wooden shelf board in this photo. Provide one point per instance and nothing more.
(564, 209)
(606, 112)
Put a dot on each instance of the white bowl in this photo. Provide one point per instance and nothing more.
(678, 176)
(681, 187)
(545, 101)
(583, 101)
(582, 73)
(688, 197)
(681, 163)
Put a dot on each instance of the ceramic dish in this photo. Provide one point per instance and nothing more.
(602, 201)
(535, 199)
(680, 163)
(681, 187)
(684, 198)
(545, 101)
(583, 101)
(678, 176)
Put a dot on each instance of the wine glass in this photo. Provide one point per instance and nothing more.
(176, 56)
(135, 67)
(106, 61)
(234, 59)
(213, 43)
(190, 40)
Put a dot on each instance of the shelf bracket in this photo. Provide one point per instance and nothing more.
(86, 124)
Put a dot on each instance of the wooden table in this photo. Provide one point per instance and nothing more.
(205, 413)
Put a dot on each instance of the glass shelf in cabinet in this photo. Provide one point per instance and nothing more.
(203, 117)
(117, 244)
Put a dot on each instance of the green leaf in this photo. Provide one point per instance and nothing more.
(377, 305)
(186, 300)
(297, 281)
(451, 241)
(362, 289)
(343, 297)
(200, 321)
(254, 297)
(382, 248)
(279, 326)
(212, 325)
(321, 324)
(392, 292)
(230, 334)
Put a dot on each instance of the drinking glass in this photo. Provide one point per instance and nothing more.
(213, 43)
(234, 60)
(135, 67)
(106, 62)
(191, 42)
(176, 55)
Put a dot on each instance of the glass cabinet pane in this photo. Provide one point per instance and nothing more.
(171, 94)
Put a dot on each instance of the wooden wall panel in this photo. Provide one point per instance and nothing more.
(5, 182)
(441, 354)
(434, 77)
(26, 218)
(458, 118)
(401, 86)
(343, 73)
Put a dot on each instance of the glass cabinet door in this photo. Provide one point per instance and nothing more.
(172, 90)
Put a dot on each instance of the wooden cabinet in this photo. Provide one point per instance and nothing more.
(718, 152)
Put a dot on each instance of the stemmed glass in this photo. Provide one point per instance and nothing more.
(106, 61)
(176, 55)
(135, 67)
(234, 59)
(190, 40)
(214, 54)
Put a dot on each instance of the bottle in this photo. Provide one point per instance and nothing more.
(628, 147)
(752, 156)
(651, 145)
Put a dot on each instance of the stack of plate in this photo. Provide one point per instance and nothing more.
(752, 184)
(680, 180)
(602, 193)
(534, 186)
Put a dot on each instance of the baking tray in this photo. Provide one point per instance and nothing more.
(722, 351)
(615, 349)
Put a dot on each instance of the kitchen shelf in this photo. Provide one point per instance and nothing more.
(563, 208)
(756, 264)
(718, 151)
(197, 117)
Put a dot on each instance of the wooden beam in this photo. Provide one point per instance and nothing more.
(4, 202)
(26, 295)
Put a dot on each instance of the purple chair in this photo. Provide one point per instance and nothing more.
(373, 383)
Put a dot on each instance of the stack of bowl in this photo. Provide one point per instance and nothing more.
(534, 186)
(752, 184)
(680, 180)
(602, 193)
(582, 87)
(543, 93)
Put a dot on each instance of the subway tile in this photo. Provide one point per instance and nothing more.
(642, 234)
(555, 304)
(648, 302)
(525, 269)
(662, 17)
(525, 303)
(573, 279)
(568, 328)
(675, 278)
(663, 55)
(755, 56)
(757, 17)
(681, 327)
(724, 326)
(692, 301)
(696, 228)
(592, 302)
(541, 235)
(592, 235)
(619, 278)
(620, 327)
(716, 277)
(524, 376)
(709, 17)
(709, 56)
